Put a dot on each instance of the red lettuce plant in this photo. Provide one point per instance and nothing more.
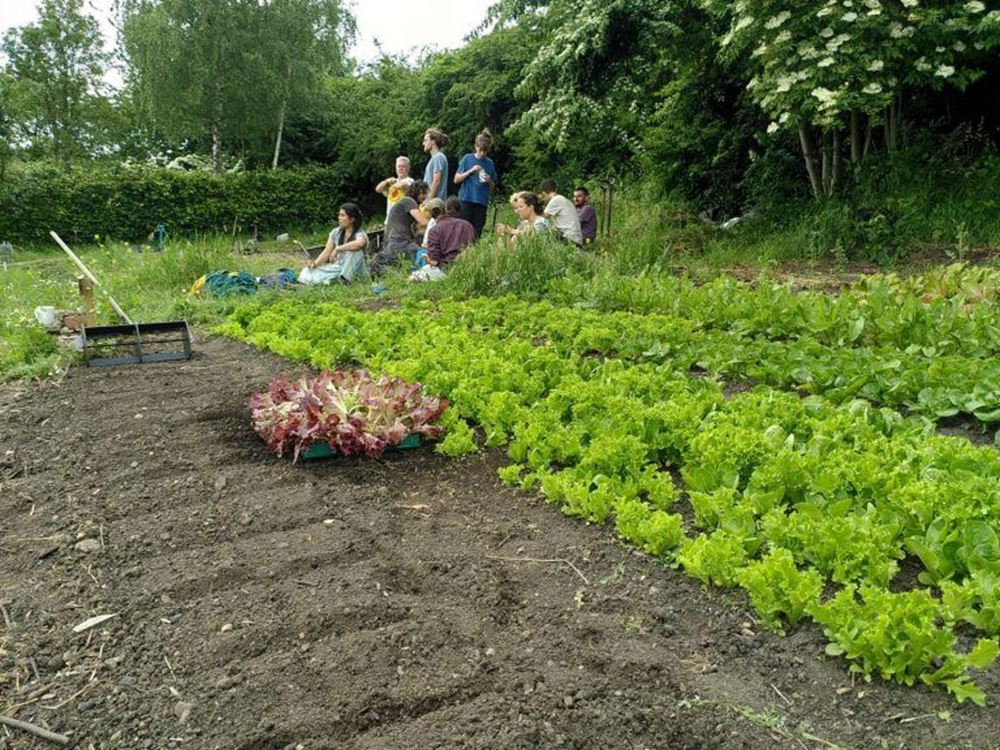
(351, 412)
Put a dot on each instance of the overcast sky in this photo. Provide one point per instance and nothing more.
(400, 26)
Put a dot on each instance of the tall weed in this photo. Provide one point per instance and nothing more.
(526, 268)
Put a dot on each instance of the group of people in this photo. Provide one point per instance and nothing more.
(429, 228)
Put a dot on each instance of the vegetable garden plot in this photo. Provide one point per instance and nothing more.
(808, 506)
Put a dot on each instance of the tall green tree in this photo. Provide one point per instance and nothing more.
(229, 71)
(595, 77)
(302, 42)
(56, 69)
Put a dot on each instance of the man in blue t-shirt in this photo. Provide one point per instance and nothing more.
(436, 173)
(476, 176)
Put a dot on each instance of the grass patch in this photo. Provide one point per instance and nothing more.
(149, 286)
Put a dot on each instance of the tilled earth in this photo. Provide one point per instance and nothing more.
(413, 602)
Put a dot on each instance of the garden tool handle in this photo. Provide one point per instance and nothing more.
(86, 272)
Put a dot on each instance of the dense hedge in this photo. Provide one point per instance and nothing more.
(127, 204)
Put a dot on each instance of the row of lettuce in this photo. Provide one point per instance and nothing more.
(812, 506)
(945, 310)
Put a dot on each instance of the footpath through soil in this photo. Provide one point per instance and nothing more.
(413, 602)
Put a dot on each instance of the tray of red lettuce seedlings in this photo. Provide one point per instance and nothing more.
(349, 410)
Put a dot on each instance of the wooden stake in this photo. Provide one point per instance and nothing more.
(86, 288)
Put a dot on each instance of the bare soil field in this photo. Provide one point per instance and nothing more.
(413, 602)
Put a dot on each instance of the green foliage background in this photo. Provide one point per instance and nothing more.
(678, 102)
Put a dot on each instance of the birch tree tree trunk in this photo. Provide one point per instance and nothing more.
(281, 117)
(809, 154)
(217, 126)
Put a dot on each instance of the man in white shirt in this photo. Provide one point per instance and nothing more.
(561, 212)
(394, 188)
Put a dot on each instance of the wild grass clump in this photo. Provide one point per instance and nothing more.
(28, 353)
(526, 268)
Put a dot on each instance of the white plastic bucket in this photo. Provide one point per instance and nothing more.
(46, 315)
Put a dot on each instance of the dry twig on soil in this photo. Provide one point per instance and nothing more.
(562, 560)
(35, 730)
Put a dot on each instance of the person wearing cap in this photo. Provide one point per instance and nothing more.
(561, 212)
(476, 177)
(586, 214)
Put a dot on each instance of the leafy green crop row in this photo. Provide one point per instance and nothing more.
(808, 506)
(933, 386)
(949, 311)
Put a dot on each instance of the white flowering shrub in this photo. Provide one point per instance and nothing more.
(596, 71)
(813, 61)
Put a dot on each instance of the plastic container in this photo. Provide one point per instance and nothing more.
(323, 450)
(46, 315)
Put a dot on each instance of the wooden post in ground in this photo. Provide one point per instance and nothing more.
(86, 288)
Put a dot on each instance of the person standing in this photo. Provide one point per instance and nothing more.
(394, 188)
(436, 172)
(476, 176)
(561, 212)
(586, 214)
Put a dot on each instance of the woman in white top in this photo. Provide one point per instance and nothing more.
(343, 258)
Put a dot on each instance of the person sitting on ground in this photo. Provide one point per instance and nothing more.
(586, 214)
(561, 213)
(434, 208)
(529, 213)
(445, 241)
(476, 176)
(343, 258)
(450, 235)
(436, 172)
(404, 222)
(394, 188)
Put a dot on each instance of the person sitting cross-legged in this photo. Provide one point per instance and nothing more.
(343, 258)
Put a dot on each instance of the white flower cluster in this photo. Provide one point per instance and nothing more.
(776, 21)
(866, 50)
